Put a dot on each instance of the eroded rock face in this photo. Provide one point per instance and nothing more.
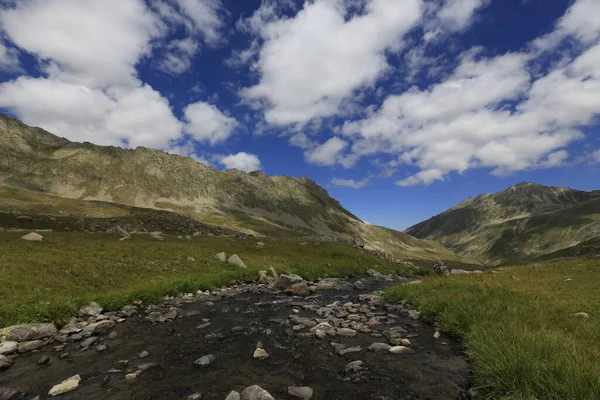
(27, 332)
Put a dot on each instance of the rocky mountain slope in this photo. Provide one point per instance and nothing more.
(524, 221)
(37, 161)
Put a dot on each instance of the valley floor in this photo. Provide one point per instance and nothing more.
(50, 280)
(531, 331)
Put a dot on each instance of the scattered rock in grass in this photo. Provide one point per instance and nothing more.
(190, 258)
(205, 360)
(300, 392)
(68, 385)
(157, 235)
(359, 242)
(195, 396)
(221, 257)
(255, 392)
(91, 310)
(514, 278)
(436, 335)
(33, 237)
(236, 260)
(582, 315)
(440, 269)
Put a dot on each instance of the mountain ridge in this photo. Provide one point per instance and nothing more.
(524, 221)
(251, 203)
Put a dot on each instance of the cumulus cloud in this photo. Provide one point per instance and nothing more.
(490, 112)
(242, 161)
(351, 183)
(295, 85)
(88, 52)
(135, 117)
(206, 123)
(94, 43)
(328, 153)
(456, 15)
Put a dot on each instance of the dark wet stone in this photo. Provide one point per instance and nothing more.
(44, 360)
(143, 354)
(205, 360)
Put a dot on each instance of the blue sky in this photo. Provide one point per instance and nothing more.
(399, 108)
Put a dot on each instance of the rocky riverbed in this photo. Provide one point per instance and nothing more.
(279, 339)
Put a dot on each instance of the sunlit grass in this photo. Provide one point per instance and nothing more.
(521, 334)
(50, 280)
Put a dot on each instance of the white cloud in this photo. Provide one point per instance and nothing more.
(296, 85)
(351, 183)
(491, 112)
(302, 141)
(456, 15)
(88, 52)
(9, 59)
(206, 123)
(94, 43)
(328, 153)
(596, 156)
(178, 56)
(242, 161)
(580, 21)
(140, 116)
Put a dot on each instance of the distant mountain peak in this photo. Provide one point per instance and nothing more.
(499, 226)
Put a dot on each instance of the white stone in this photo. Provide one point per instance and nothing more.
(68, 385)
(400, 350)
(33, 237)
(8, 347)
(260, 354)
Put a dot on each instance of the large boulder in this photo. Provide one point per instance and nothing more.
(255, 392)
(33, 237)
(235, 260)
(24, 333)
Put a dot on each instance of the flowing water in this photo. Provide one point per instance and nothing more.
(437, 369)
